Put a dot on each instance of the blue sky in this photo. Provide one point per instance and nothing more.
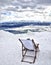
(14, 10)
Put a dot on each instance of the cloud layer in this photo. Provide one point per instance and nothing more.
(30, 9)
(17, 5)
(24, 3)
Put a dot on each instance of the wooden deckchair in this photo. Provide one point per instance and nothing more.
(29, 45)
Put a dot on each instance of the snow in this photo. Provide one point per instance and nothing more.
(10, 48)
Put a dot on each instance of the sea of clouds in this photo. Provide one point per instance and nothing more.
(15, 10)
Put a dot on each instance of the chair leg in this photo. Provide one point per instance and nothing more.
(35, 52)
(23, 54)
(22, 49)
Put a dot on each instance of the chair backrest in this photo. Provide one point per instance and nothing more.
(27, 44)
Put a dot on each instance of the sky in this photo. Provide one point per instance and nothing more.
(17, 10)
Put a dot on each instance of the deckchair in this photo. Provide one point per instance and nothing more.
(29, 45)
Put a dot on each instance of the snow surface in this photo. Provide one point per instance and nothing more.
(10, 48)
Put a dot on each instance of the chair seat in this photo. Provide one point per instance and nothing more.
(28, 44)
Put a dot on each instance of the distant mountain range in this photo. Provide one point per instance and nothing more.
(20, 24)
